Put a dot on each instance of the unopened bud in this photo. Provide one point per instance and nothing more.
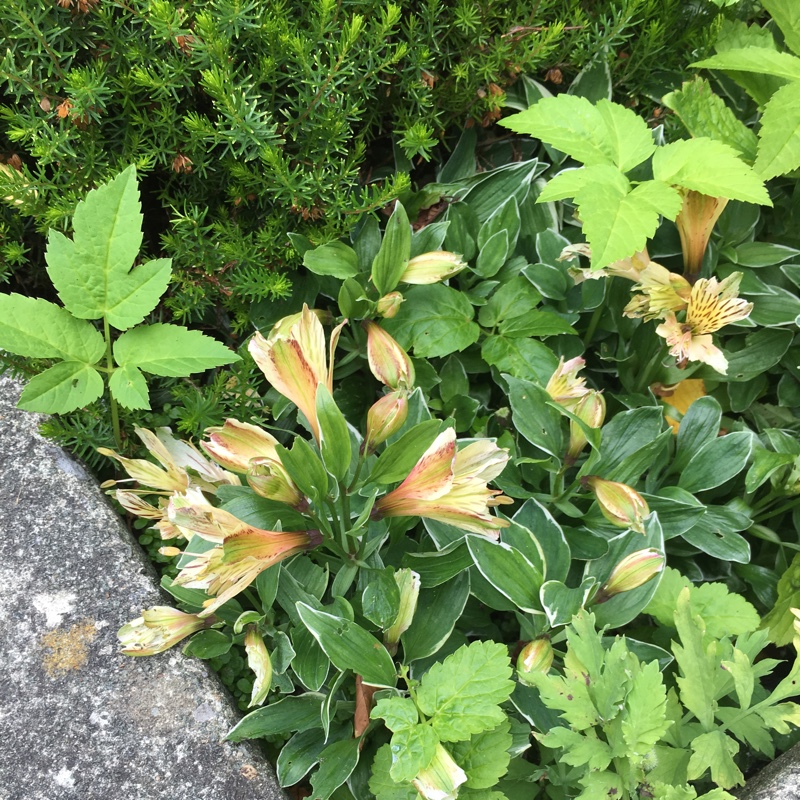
(388, 362)
(432, 267)
(269, 479)
(591, 409)
(441, 778)
(389, 304)
(631, 573)
(235, 443)
(259, 661)
(408, 583)
(384, 419)
(536, 657)
(619, 504)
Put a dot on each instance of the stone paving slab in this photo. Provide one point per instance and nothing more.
(779, 780)
(78, 720)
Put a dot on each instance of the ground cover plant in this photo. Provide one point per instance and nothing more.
(603, 328)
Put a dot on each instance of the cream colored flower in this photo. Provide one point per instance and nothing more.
(564, 386)
(662, 291)
(158, 629)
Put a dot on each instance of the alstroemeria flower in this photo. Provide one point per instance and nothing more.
(388, 362)
(432, 267)
(229, 568)
(662, 291)
(177, 458)
(259, 661)
(695, 222)
(564, 386)
(712, 305)
(158, 629)
(449, 485)
(624, 268)
(295, 362)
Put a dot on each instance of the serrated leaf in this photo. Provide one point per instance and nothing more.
(754, 59)
(484, 756)
(645, 720)
(715, 751)
(39, 329)
(704, 113)
(413, 749)
(62, 388)
(709, 167)
(92, 271)
(397, 712)
(382, 786)
(129, 388)
(462, 694)
(435, 320)
(170, 350)
(786, 14)
(779, 140)
(780, 620)
(580, 749)
(605, 133)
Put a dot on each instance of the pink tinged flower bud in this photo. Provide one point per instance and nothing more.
(536, 657)
(259, 661)
(388, 362)
(389, 304)
(619, 504)
(384, 419)
(236, 443)
(441, 778)
(590, 409)
(564, 386)
(269, 479)
(695, 222)
(158, 629)
(631, 573)
(408, 583)
(432, 267)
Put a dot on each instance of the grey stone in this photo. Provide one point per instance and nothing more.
(779, 780)
(78, 720)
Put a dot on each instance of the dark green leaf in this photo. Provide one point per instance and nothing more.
(334, 258)
(398, 459)
(208, 644)
(534, 418)
(392, 258)
(294, 713)
(717, 461)
(336, 763)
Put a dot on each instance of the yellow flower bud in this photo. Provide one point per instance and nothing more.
(385, 418)
(388, 362)
(536, 657)
(632, 572)
(619, 503)
(432, 267)
(591, 409)
(389, 304)
(408, 583)
(259, 661)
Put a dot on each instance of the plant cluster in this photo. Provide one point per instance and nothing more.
(249, 119)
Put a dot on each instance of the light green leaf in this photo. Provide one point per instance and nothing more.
(743, 677)
(336, 763)
(462, 694)
(335, 258)
(709, 167)
(435, 320)
(754, 59)
(398, 713)
(92, 271)
(704, 113)
(605, 133)
(392, 259)
(535, 323)
(570, 182)
(715, 751)
(63, 388)
(38, 329)
(335, 435)
(413, 749)
(579, 749)
(349, 646)
(645, 720)
(526, 359)
(382, 786)
(129, 387)
(779, 145)
(786, 14)
(780, 620)
(170, 350)
(484, 756)
(512, 299)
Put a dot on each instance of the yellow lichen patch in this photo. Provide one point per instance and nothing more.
(67, 649)
(680, 397)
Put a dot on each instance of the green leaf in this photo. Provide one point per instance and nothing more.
(335, 435)
(627, 433)
(462, 694)
(717, 461)
(704, 113)
(298, 755)
(561, 603)
(715, 751)
(399, 458)
(763, 349)
(310, 663)
(62, 388)
(382, 786)
(335, 258)
(39, 329)
(492, 255)
(349, 646)
(413, 749)
(786, 14)
(762, 60)
(305, 469)
(392, 259)
(293, 713)
(779, 145)
(535, 323)
(763, 254)
(170, 350)
(605, 133)
(484, 757)
(92, 272)
(526, 359)
(208, 644)
(709, 167)
(715, 533)
(438, 610)
(549, 536)
(780, 620)
(435, 320)
(380, 600)
(440, 566)
(398, 713)
(508, 571)
(533, 417)
(129, 387)
(578, 749)
(336, 763)
(699, 426)
(645, 720)
(512, 299)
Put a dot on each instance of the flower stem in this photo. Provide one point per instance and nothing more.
(112, 401)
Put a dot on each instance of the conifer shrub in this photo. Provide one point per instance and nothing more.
(250, 119)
